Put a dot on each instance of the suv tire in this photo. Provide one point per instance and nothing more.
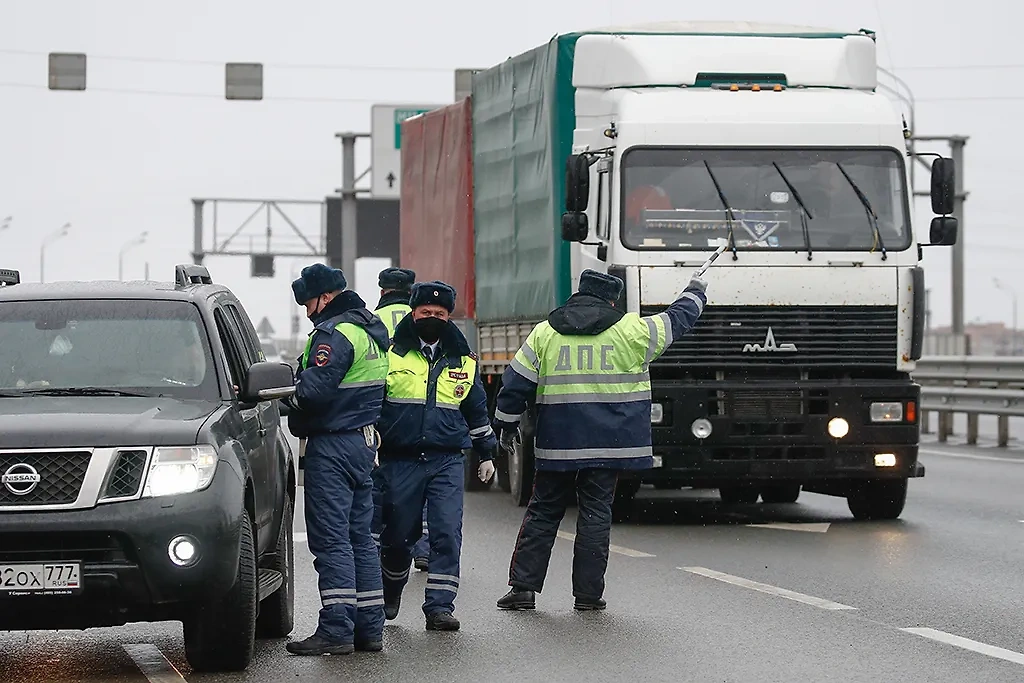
(221, 637)
(277, 612)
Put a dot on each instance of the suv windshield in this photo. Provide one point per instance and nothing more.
(133, 346)
(671, 202)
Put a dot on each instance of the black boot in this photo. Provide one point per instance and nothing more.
(442, 621)
(517, 599)
(421, 563)
(589, 604)
(317, 645)
(391, 607)
(370, 646)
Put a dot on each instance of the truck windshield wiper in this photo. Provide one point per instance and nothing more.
(729, 216)
(872, 216)
(805, 214)
(81, 391)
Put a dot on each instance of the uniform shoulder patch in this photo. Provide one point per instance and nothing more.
(472, 355)
(322, 355)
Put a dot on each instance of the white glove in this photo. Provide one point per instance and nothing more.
(697, 282)
(485, 471)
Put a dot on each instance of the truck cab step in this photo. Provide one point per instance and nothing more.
(270, 580)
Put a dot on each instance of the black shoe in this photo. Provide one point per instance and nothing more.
(518, 599)
(589, 604)
(442, 621)
(318, 645)
(391, 608)
(370, 646)
(421, 563)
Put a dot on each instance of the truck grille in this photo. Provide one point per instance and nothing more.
(61, 474)
(126, 475)
(786, 336)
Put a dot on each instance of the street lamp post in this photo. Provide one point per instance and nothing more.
(53, 237)
(141, 239)
(1013, 299)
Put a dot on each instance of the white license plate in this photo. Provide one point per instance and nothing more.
(48, 578)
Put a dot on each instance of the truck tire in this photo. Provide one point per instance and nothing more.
(780, 493)
(744, 494)
(276, 616)
(625, 500)
(521, 462)
(472, 482)
(501, 469)
(878, 499)
(221, 636)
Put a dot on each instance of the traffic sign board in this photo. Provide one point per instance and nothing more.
(265, 330)
(386, 143)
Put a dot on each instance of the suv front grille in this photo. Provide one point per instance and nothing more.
(801, 336)
(126, 475)
(61, 474)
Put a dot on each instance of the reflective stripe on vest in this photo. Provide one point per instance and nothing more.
(611, 367)
(391, 315)
(408, 380)
(369, 365)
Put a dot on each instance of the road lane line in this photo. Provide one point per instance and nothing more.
(152, 663)
(967, 644)
(968, 456)
(813, 527)
(766, 588)
(628, 552)
(299, 536)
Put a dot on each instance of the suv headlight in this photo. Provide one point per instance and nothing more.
(178, 470)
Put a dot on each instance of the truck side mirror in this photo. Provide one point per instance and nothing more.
(943, 189)
(943, 231)
(577, 183)
(575, 226)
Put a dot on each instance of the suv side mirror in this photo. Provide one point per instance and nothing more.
(943, 231)
(577, 183)
(943, 190)
(267, 381)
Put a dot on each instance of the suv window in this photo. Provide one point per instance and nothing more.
(237, 363)
(144, 346)
(245, 332)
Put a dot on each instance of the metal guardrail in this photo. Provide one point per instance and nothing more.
(972, 385)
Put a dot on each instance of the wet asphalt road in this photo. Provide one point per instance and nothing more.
(831, 602)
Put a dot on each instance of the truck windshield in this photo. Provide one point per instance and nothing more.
(153, 348)
(670, 201)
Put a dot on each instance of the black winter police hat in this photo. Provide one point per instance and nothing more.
(601, 285)
(396, 278)
(435, 293)
(317, 280)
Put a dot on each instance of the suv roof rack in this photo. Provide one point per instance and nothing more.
(188, 274)
(9, 277)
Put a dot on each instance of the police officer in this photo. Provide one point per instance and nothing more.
(435, 407)
(587, 368)
(340, 389)
(395, 289)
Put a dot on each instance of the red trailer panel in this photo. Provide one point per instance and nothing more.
(436, 220)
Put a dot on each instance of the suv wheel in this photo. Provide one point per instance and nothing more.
(221, 636)
(276, 617)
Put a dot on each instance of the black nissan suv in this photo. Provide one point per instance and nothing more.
(144, 472)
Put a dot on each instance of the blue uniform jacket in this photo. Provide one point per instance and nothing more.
(323, 406)
(409, 430)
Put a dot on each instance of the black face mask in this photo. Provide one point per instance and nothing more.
(429, 329)
(317, 310)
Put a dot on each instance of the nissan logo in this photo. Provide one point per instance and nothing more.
(20, 479)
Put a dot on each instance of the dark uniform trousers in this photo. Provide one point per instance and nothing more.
(594, 490)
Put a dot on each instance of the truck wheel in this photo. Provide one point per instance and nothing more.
(625, 498)
(780, 493)
(878, 499)
(221, 636)
(501, 467)
(521, 463)
(738, 494)
(276, 614)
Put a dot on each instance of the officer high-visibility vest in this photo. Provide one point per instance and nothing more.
(369, 365)
(412, 380)
(391, 315)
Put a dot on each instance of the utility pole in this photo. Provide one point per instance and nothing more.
(346, 259)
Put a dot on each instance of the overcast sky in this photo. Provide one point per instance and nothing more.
(118, 159)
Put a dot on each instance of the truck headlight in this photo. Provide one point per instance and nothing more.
(178, 470)
(887, 412)
(657, 413)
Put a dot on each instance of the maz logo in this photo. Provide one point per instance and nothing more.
(769, 345)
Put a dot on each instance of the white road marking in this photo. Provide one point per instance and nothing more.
(299, 536)
(628, 552)
(968, 456)
(766, 588)
(967, 644)
(153, 664)
(813, 527)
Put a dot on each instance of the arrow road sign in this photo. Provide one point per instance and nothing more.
(386, 144)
